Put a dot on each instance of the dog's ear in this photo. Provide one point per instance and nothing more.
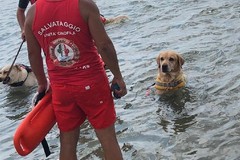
(180, 61)
(18, 67)
(158, 60)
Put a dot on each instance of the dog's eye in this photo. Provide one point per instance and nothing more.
(5, 72)
(171, 59)
(162, 59)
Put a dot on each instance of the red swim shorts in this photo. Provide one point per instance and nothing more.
(74, 104)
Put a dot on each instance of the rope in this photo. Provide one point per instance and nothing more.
(7, 78)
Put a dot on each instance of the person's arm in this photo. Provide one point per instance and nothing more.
(21, 17)
(22, 5)
(34, 52)
(90, 13)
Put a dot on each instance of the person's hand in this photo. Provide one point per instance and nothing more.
(23, 35)
(42, 90)
(118, 87)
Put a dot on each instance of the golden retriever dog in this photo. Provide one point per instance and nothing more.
(20, 75)
(170, 75)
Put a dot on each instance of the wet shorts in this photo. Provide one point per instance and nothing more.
(74, 104)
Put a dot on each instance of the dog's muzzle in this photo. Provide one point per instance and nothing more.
(165, 68)
(6, 80)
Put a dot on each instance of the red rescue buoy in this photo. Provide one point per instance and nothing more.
(35, 126)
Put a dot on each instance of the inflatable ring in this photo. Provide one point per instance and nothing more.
(35, 126)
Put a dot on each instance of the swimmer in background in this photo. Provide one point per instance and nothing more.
(113, 20)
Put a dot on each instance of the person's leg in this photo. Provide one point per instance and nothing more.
(69, 117)
(108, 140)
(68, 141)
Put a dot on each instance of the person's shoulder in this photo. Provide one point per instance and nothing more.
(32, 8)
(87, 3)
(87, 7)
(30, 14)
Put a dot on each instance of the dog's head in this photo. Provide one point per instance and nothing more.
(169, 62)
(13, 76)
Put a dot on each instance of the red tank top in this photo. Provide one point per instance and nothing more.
(64, 36)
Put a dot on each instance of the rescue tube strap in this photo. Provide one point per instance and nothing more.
(45, 147)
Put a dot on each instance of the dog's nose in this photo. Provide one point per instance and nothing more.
(6, 80)
(165, 68)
